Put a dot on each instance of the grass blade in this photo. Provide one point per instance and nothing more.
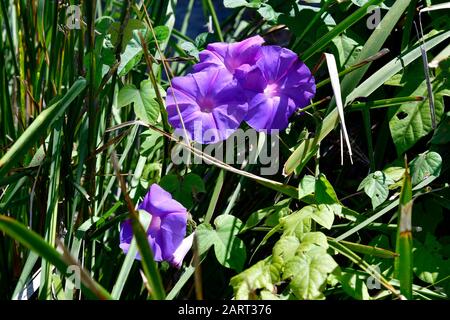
(332, 70)
(341, 27)
(33, 241)
(39, 127)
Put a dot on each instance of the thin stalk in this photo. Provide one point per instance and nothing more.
(216, 23)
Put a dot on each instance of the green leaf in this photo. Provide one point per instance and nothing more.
(145, 105)
(429, 264)
(312, 239)
(347, 50)
(272, 213)
(354, 285)
(376, 186)
(442, 133)
(324, 191)
(268, 13)
(131, 56)
(301, 156)
(309, 272)
(395, 174)
(152, 143)
(296, 224)
(425, 165)
(285, 249)
(229, 249)
(412, 121)
(133, 24)
(256, 277)
(190, 49)
(242, 3)
(299, 222)
(306, 186)
(162, 33)
(206, 236)
(183, 188)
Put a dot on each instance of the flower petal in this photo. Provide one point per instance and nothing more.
(171, 234)
(269, 113)
(230, 55)
(182, 250)
(218, 110)
(278, 85)
(159, 202)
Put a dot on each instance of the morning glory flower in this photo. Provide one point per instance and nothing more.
(230, 56)
(211, 105)
(167, 227)
(276, 86)
(182, 250)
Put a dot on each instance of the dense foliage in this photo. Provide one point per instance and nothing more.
(357, 207)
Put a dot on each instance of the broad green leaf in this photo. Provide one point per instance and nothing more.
(285, 249)
(354, 285)
(145, 105)
(133, 24)
(151, 144)
(161, 33)
(296, 224)
(347, 50)
(309, 272)
(301, 156)
(268, 13)
(131, 56)
(429, 265)
(323, 214)
(190, 49)
(272, 213)
(395, 174)
(324, 191)
(425, 165)
(229, 249)
(442, 133)
(206, 237)
(183, 188)
(376, 186)
(412, 121)
(299, 222)
(306, 186)
(256, 277)
(312, 239)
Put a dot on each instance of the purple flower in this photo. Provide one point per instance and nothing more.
(230, 55)
(211, 105)
(276, 86)
(167, 227)
(182, 250)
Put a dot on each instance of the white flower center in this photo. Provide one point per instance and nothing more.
(271, 90)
